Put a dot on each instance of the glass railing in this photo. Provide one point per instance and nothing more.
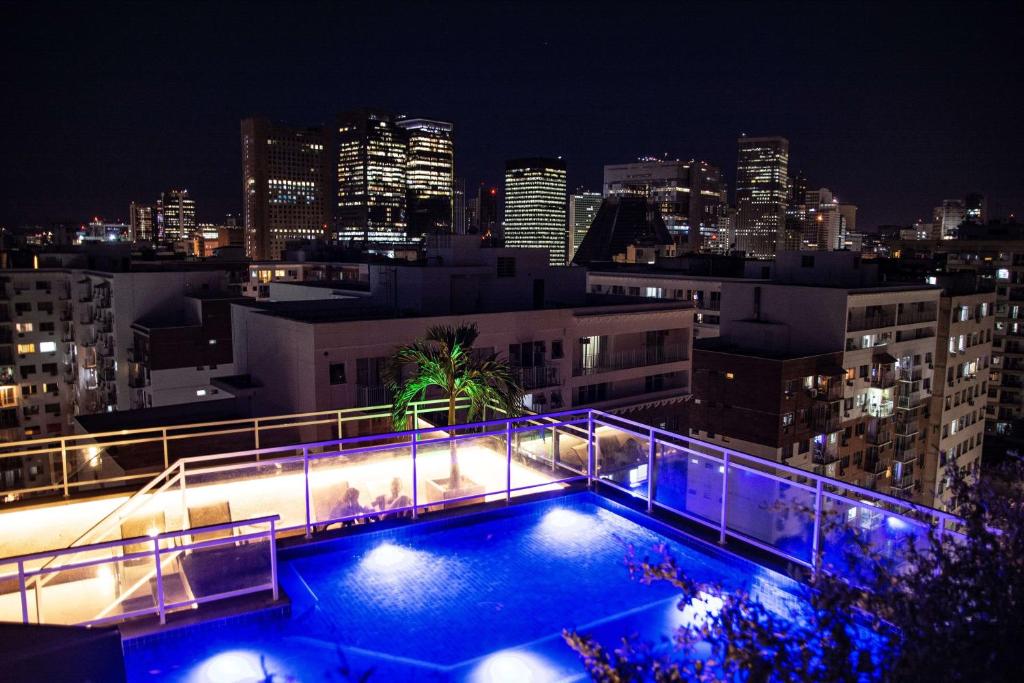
(312, 486)
(152, 573)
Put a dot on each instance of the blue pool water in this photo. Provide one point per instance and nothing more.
(481, 598)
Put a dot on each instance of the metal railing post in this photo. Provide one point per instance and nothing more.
(184, 497)
(24, 592)
(305, 477)
(725, 492)
(160, 601)
(815, 539)
(415, 415)
(163, 434)
(256, 437)
(590, 449)
(340, 437)
(651, 446)
(508, 461)
(273, 558)
(64, 464)
(942, 527)
(415, 482)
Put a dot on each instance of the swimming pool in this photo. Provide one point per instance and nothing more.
(478, 598)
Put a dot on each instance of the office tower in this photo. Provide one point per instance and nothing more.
(822, 221)
(141, 221)
(847, 222)
(372, 162)
(797, 188)
(484, 218)
(975, 208)
(459, 207)
(687, 193)
(430, 175)
(175, 216)
(761, 190)
(948, 216)
(535, 205)
(624, 221)
(583, 208)
(285, 176)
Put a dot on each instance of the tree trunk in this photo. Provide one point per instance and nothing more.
(454, 476)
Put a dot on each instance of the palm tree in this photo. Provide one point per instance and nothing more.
(443, 359)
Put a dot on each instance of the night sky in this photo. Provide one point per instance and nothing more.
(892, 106)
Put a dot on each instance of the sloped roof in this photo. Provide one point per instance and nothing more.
(621, 221)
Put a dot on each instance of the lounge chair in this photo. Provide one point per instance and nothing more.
(209, 515)
(327, 500)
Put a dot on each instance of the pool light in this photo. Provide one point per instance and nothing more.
(387, 557)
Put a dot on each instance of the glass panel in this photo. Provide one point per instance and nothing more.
(533, 464)
(855, 530)
(771, 510)
(244, 492)
(351, 484)
(227, 566)
(688, 482)
(109, 590)
(481, 465)
(621, 458)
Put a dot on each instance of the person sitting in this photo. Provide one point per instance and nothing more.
(395, 499)
(350, 506)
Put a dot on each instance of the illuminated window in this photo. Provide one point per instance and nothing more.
(26, 348)
(23, 327)
(730, 375)
(200, 392)
(47, 347)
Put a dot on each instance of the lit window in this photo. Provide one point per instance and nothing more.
(730, 375)
(47, 347)
(23, 327)
(26, 348)
(200, 392)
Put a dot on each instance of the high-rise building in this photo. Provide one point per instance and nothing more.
(372, 181)
(948, 216)
(761, 191)
(285, 177)
(459, 207)
(687, 193)
(175, 216)
(483, 216)
(430, 175)
(535, 205)
(141, 221)
(583, 208)
(975, 208)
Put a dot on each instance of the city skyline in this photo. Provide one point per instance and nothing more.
(869, 125)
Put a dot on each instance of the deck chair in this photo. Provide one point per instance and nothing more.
(206, 515)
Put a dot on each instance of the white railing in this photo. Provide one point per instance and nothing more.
(106, 582)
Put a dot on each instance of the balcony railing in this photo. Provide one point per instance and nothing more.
(373, 395)
(537, 377)
(300, 487)
(861, 321)
(883, 379)
(631, 358)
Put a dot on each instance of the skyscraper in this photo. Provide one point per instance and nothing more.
(141, 221)
(459, 207)
(535, 206)
(583, 207)
(484, 213)
(687, 193)
(975, 208)
(430, 175)
(285, 176)
(948, 216)
(761, 191)
(175, 216)
(372, 162)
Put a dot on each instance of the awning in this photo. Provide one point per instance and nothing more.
(883, 358)
(832, 371)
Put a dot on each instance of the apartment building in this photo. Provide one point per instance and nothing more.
(319, 355)
(994, 254)
(262, 274)
(705, 291)
(960, 391)
(866, 425)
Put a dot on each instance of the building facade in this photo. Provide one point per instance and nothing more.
(175, 216)
(285, 185)
(372, 180)
(142, 222)
(583, 207)
(430, 175)
(761, 192)
(535, 194)
(687, 193)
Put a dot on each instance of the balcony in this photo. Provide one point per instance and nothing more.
(537, 377)
(138, 380)
(375, 395)
(631, 358)
(883, 379)
(902, 485)
(858, 321)
(825, 418)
